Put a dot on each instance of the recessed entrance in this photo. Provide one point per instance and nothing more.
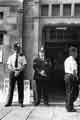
(57, 40)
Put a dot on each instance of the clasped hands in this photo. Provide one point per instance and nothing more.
(42, 73)
(16, 71)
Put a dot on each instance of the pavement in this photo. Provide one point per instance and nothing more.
(55, 111)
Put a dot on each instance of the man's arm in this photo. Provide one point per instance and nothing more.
(75, 74)
(35, 65)
(9, 63)
(10, 68)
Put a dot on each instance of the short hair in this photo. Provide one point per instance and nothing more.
(16, 46)
(72, 49)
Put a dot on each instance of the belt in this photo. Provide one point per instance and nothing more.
(68, 74)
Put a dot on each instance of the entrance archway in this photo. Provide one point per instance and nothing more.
(57, 41)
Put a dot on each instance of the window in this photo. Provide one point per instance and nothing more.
(13, 9)
(1, 38)
(56, 10)
(52, 34)
(59, 34)
(14, 26)
(44, 10)
(1, 15)
(77, 10)
(67, 10)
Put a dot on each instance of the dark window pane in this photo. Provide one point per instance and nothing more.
(14, 26)
(44, 10)
(52, 35)
(13, 9)
(77, 10)
(1, 15)
(56, 10)
(67, 10)
(1, 38)
(59, 35)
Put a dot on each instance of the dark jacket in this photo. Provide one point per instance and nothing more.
(39, 65)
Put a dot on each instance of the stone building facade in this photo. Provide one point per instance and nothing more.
(9, 33)
(54, 24)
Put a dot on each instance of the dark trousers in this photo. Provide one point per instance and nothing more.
(70, 85)
(41, 88)
(20, 84)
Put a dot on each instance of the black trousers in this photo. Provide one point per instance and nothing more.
(41, 88)
(20, 84)
(71, 91)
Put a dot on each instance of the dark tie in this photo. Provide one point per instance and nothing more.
(16, 61)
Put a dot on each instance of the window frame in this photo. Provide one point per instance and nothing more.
(41, 10)
(58, 15)
(67, 4)
(78, 4)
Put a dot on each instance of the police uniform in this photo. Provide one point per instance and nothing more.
(70, 65)
(41, 79)
(16, 63)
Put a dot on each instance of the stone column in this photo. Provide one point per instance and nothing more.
(30, 34)
(61, 9)
(72, 10)
(50, 10)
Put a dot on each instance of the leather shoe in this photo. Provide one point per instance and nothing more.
(7, 105)
(46, 103)
(72, 110)
(21, 105)
(36, 103)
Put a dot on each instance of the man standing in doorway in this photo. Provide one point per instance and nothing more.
(71, 78)
(41, 67)
(16, 64)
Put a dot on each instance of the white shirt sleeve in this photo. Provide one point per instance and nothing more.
(24, 60)
(9, 63)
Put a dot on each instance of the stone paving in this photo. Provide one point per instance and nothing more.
(55, 111)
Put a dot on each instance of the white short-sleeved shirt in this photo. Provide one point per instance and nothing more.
(11, 61)
(70, 65)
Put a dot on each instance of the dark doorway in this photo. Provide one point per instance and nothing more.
(57, 55)
(57, 41)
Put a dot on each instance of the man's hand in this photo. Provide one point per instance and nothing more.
(75, 74)
(21, 68)
(12, 69)
(43, 73)
(17, 72)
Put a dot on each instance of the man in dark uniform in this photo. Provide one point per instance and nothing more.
(71, 78)
(41, 67)
(16, 64)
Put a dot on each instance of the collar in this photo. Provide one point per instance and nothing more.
(72, 57)
(15, 54)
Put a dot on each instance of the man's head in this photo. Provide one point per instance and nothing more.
(73, 51)
(17, 47)
(41, 53)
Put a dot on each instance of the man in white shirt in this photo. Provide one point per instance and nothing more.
(16, 64)
(70, 67)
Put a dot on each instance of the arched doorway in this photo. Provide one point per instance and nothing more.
(57, 41)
